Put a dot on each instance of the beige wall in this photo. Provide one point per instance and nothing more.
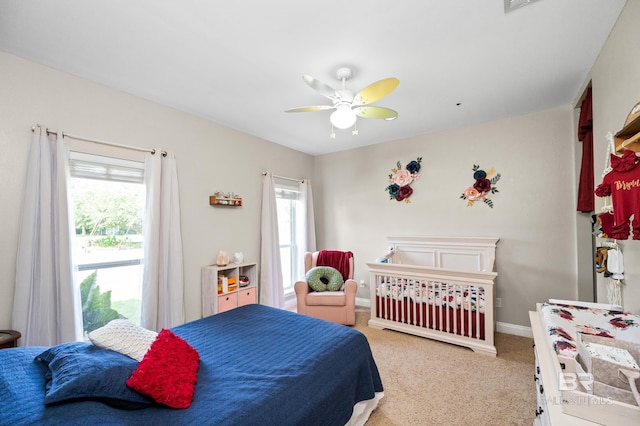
(209, 157)
(533, 212)
(616, 89)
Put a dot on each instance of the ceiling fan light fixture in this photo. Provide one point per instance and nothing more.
(343, 117)
(348, 106)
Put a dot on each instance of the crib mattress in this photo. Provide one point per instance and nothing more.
(562, 322)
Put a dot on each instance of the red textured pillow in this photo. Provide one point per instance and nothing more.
(168, 372)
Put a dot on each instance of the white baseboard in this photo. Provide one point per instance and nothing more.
(517, 330)
(360, 301)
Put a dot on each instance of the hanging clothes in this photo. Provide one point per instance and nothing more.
(622, 183)
(609, 262)
(586, 202)
(606, 223)
(615, 265)
(600, 261)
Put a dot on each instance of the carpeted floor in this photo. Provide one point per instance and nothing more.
(433, 383)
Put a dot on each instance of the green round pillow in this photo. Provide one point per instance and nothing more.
(324, 278)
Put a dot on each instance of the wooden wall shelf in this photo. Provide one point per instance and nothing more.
(221, 201)
(629, 136)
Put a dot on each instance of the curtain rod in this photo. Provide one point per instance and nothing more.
(283, 177)
(82, 138)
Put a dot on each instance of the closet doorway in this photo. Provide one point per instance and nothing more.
(585, 240)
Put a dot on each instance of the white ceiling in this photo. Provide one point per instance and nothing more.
(240, 63)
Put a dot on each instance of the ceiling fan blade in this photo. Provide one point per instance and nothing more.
(322, 88)
(375, 112)
(376, 91)
(310, 108)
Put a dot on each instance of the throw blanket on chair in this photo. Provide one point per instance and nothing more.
(336, 259)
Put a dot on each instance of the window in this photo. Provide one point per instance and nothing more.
(288, 205)
(108, 198)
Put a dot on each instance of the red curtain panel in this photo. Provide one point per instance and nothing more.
(586, 201)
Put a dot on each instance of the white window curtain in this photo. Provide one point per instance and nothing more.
(163, 279)
(307, 221)
(46, 308)
(271, 291)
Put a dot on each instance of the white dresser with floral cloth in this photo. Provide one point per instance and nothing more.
(561, 400)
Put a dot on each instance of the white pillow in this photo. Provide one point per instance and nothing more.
(123, 336)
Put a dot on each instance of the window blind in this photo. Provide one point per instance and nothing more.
(98, 167)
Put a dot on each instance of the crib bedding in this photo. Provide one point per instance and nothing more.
(456, 308)
(258, 365)
(562, 322)
(468, 297)
(455, 321)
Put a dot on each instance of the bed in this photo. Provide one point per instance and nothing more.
(442, 288)
(258, 365)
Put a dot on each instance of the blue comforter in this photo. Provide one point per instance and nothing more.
(259, 366)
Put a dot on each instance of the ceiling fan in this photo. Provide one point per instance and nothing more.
(349, 106)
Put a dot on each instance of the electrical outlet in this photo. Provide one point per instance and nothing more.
(498, 302)
(362, 284)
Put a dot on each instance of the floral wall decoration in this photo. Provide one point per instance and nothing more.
(401, 178)
(484, 186)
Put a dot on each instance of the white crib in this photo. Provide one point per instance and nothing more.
(437, 287)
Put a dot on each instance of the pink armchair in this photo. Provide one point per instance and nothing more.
(334, 306)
